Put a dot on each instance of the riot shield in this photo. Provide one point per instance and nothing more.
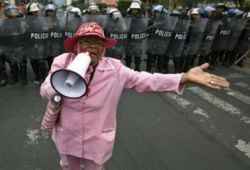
(72, 23)
(56, 26)
(178, 38)
(222, 36)
(160, 33)
(196, 34)
(244, 42)
(12, 35)
(37, 36)
(208, 37)
(117, 29)
(137, 37)
(237, 25)
(99, 19)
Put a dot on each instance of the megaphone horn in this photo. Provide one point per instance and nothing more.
(70, 82)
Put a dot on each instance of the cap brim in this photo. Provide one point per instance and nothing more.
(70, 42)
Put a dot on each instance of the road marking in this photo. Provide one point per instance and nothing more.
(245, 119)
(243, 147)
(227, 107)
(236, 75)
(238, 95)
(33, 136)
(185, 104)
(242, 85)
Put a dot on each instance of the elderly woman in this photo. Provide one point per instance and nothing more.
(86, 128)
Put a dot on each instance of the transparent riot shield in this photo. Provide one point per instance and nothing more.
(222, 36)
(178, 38)
(56, 26)
(208, 37)
(237, 26)
(117, 29)
(37, 36)
(137, 37)
(99, 19)
(12, 36)
(243, 44)
(71, 25)
(160, 33)
(196, 34)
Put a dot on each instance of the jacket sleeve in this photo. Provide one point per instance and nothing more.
(46, 90)
(147, 82)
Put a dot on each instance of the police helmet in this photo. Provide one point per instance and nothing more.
(25, 1)
(11, 10)
(208, 10)
(221, 5)
(75, 11)
(138, 1)
(115, 13)
(175, 13)
(194, 11)
(247, 15)
(93, 7)
(33, 7)
(160, 9)
(135, 5)
(50, 7)
(238, 12)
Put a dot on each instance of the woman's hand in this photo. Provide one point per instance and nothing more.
(198, 76)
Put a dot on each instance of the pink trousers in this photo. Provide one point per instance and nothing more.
(68, 162)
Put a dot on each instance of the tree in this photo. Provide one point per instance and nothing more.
(247, 5)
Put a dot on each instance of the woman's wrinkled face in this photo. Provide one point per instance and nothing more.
(94, 45)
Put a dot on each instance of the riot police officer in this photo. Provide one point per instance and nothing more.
(238, 24)
(189, 56)
(218, 49)
(116, 28)
(208, 36)
(10, 52)
(243, 45)
(156, 51)
(134, 48)
(50, 11)
(93, 9)
(37, 53)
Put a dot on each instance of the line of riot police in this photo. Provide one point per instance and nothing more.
(165, 36)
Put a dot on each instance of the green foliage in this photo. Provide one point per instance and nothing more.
(247, 5)
(123, 5)
(80, 4)
(102, 6)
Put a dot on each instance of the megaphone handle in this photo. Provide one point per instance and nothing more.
(90, 80)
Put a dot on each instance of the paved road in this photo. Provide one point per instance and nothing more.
(201, 129)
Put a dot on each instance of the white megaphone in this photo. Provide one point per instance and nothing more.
(70, 82)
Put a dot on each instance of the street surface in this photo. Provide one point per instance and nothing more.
(201, 129)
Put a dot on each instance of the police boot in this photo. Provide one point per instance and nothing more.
(228, 59)
(14, 74)
(163, 64)
(49, 61)
(212, 62)
(202, 60)
(23, 74)
(149, 62)
(177, 65)
(42, 69)
(128, 60)
(137, 63)
(187, 64)
(35, 68)
(3, 77)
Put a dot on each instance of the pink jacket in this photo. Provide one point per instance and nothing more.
(87, 126)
